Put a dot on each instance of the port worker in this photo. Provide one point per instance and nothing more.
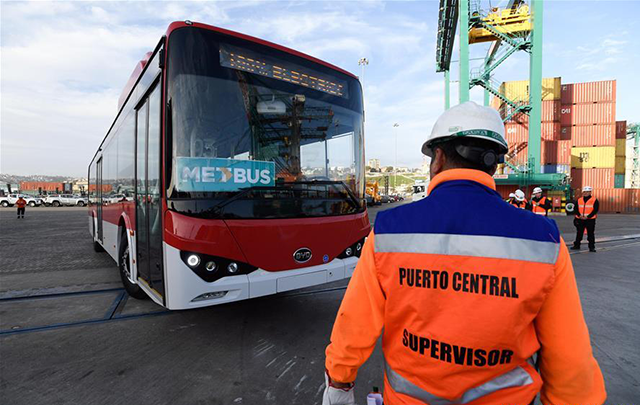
(512, 196)
(464, 297)
(21, 204)
(540, 205)
(520, 201)
(587, 212)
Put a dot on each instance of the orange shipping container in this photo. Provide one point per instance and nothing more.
(587, 114)
(596, 178)
(521, 155)
(41, 185)
(556, 153)
(621, 129)
(589, 135)
(551, 153)
(618, 200)
(550, 113)
(590, 92)
(519, 132)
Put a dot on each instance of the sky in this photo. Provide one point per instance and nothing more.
(64, 64)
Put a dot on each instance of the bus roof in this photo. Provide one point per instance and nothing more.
(179, 24)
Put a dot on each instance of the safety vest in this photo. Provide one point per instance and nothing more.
(523, 204)
(538, 206)
(21, 203)
(586, 208)
(456, 296)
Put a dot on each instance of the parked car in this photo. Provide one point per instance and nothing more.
(58, 200)
(10, 200)
(385, 199)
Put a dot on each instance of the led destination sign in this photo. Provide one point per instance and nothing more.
(239, 59)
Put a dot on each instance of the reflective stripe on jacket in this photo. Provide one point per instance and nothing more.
(538, 206)
(464, 301)
(586, 208)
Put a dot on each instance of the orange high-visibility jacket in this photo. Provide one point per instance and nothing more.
(586, 208)
(519, 204)
(464, 301)
(538, 206)
(21, 203)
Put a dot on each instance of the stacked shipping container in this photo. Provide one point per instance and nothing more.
(580, 136)
(517, 128)
(588, 114)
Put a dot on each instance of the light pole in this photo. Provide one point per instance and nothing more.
(363, 62)
(395, 166)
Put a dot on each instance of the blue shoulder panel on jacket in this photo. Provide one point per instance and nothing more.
(464, 207)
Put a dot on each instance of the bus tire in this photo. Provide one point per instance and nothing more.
(133, 290)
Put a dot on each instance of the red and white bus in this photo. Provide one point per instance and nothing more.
(234, 169)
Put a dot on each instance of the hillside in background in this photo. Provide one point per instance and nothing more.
(15, 179)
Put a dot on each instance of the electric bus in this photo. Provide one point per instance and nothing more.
(234, 169)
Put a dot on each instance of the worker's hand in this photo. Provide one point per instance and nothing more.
(337, 396)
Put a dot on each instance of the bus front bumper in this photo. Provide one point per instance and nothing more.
(184, 289)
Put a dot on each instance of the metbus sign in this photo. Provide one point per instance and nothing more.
(206, 174)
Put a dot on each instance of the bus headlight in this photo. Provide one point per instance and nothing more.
(193, 260)
(210, 266)
(354, 250)
(233, 267)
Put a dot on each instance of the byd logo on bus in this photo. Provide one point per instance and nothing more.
(302, 255)
(205, 174)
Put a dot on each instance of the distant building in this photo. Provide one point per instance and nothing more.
(374, 164)
(41, 187)
(80, 186)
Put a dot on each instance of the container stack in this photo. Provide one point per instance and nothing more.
(588, 118)
(554, 155)
(580, 138)
(621, 149)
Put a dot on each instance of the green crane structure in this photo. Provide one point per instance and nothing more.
(513, 29)
(633, 132)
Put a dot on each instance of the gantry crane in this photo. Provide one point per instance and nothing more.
(517, 28)
(633, 132)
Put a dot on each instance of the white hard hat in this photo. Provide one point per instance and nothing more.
(468, 120)
(512, 195)
(519, 195)
(587, 188)
(537, 190)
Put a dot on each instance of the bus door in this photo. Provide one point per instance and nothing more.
(148, 192)
(99, 197)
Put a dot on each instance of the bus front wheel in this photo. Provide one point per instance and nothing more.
(132, 289)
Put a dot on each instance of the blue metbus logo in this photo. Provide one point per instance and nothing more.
(216, 174)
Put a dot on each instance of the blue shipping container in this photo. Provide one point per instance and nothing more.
(618, 181)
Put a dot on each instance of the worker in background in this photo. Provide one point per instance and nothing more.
(21, 204)
(587, 212)
(464, 297)
(512, 196)
(540, 205)
(520, 201)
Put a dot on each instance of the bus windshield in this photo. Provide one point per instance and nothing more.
(247, 116)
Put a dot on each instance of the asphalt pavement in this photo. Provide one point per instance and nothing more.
(68, 334)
